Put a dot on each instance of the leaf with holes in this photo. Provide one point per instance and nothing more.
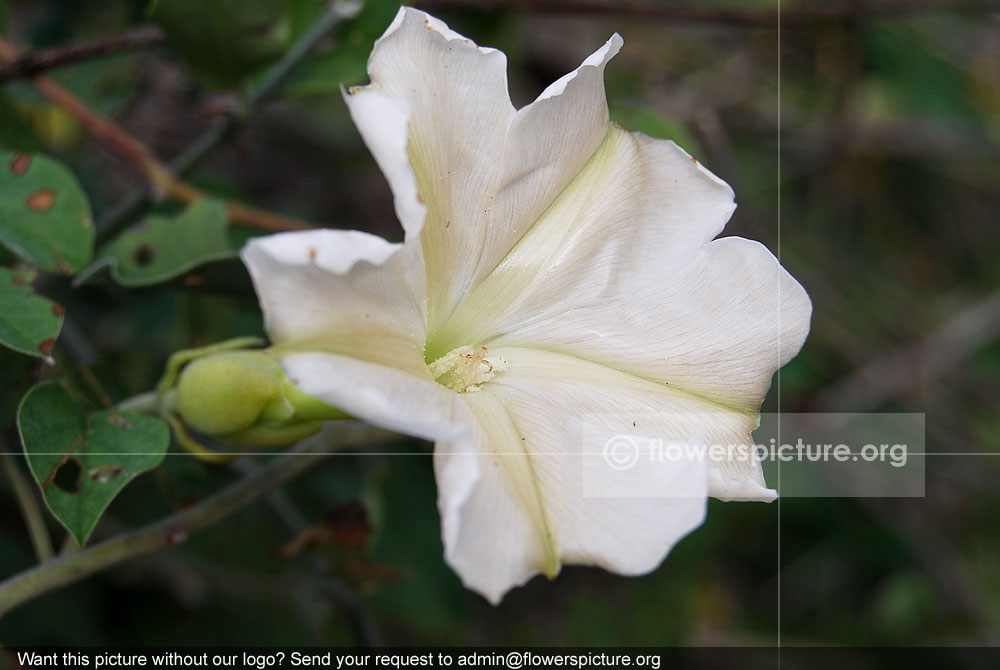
(29, 323)
(161, 247)
(81, 459)
(44, 216)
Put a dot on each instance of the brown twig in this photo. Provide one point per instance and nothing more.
(45, 59)
(159, 175)
(745, 16)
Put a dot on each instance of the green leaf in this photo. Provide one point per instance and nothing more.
(224, 41)
(83, 460)
(44, 216)
(162, 247)
(29, 323)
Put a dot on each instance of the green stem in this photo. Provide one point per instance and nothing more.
(28, 502)
(277, 76)
(144, 402)
(121, 215)
(176, 528)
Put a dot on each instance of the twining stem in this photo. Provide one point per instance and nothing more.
(159, 175)
(27, 500)
(176, 528)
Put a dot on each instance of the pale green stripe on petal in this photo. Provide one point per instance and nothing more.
(508, 448)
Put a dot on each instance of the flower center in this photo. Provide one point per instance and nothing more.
(463, 369)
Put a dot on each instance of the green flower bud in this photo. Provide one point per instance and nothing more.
(245, 397)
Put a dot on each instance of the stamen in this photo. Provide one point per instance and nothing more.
(466, 368)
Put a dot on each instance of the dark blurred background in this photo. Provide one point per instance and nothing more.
(863, 143)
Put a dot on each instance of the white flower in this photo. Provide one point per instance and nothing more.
(555, 268)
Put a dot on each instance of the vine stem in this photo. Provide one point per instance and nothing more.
(157, 174)
(27, 499)
(176, 528)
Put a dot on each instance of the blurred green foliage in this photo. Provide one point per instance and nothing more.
(870, 164)
(224, 41)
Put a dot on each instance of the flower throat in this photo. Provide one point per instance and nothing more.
(464, 369)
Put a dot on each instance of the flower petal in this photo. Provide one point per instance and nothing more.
(715, 328)
(383, 123)
(484, 170)
(638, 204)
(492, 522)
(384, 396)
(590, 391)
(548, 143)
(541, 500)
(341, 291)
(620, 271)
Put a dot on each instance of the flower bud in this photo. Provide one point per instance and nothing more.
(245, 397)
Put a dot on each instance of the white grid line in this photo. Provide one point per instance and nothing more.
(778, 249)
